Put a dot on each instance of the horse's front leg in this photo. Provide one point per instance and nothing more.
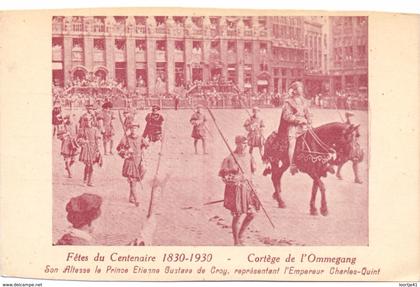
(276, 174)
(324, 208)
(312, 207)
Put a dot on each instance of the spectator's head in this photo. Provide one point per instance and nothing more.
(83, 209)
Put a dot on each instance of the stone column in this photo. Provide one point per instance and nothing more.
(151, 65)
(131, 63)
(109, 56)
(240, 63)
(67, 57)
(170, 60)
(188, 56)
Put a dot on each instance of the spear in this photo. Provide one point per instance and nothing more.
(240, 168)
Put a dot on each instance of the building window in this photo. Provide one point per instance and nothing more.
(179, 46)
(140, 46)
(141, 76)
(231, 73)
(161, 45)
(179, 74)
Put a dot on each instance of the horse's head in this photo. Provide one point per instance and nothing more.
(339, 136)
(344, 142)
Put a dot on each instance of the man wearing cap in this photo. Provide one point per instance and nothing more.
(81, 212)
(198, 120)
(154, 121)
(87, 138)
(254, 125)
(294, 119)
(105, 118)
(239, 197)
(68, 143)
(89, 114)
(131, 149)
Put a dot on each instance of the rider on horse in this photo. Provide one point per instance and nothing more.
(295, 119)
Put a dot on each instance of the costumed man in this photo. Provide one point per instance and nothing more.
(356, 153)
(105, 118)
(198, 120)
(91, 114)
(254, 125)
(57, 118)
(131, 149)
(154, 122)
(81, 212)
(69, 145)
(87, 138)
(239, 197)
(294, 120)
(128, 118)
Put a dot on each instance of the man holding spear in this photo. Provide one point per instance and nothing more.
(239, 197)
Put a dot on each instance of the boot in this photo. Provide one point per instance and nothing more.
(89, 177)
(85, 174)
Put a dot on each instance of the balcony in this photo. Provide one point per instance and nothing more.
(160, 56)
(179, 56)
(362, 63)
(119, 55)
(214, 32)
(214, 56)
(140, 30)
(77, 27)
(177, 32)
(99, 28)
(99, 56)
(248, 32)
(119, 29)
(337, 63)
(57, 54)
(197, 32)
(141, 56)
(231, 32)
(231, 57)
(196, 57)
(263, 32)
(77, 56)
(248, 58)
(57, 28)
(160, 30)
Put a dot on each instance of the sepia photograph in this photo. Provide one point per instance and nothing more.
(210, 130)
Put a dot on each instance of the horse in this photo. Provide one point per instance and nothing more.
(316, 152)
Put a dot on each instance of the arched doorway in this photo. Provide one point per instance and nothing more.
(101, 73)
(79, 73)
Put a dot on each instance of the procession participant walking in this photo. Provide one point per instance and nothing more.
(81, 212)
(254, 125)
(294, 120)
(154, 122)
(128, 118)
(105, 118)
(239, 197)
(131, 149)
(198, 121)
(57, 118)
(87, 138)
(90, 114)
(68, 143)
(356, 154)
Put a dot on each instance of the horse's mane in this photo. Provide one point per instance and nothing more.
(330, 132)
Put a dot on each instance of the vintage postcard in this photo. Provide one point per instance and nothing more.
(200, 144)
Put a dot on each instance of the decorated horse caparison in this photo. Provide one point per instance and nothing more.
(316, 152)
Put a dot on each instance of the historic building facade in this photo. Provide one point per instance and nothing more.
(348, 62)
(157, 55)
